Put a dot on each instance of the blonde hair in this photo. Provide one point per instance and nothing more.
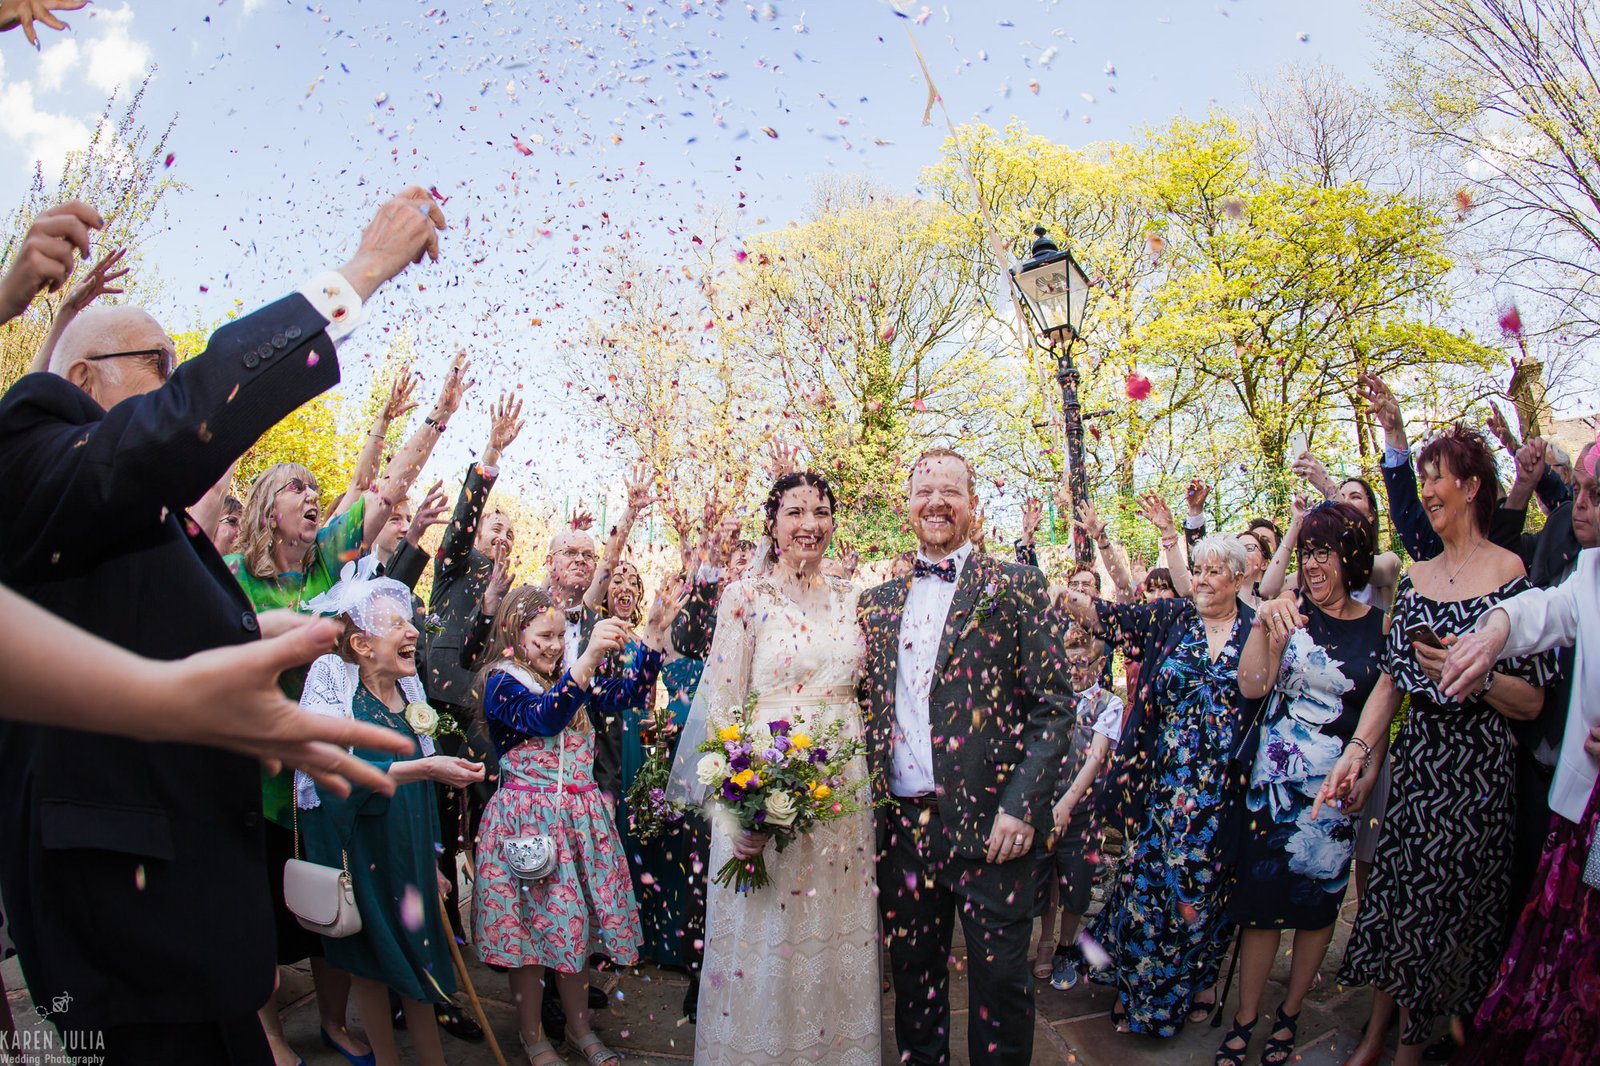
(255, 525)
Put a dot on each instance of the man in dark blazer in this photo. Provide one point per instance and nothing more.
(968, 715)
(133, 873)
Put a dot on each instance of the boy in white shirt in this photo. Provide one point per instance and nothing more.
(1076, 854)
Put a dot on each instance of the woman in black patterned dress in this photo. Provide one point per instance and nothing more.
(1430, 931)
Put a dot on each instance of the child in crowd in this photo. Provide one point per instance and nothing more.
(1067, 871)
(537, 719)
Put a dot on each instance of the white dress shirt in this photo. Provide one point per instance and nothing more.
(921, 629)
(573, 646)
(1568, 614)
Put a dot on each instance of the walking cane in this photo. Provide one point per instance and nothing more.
(1216, 1019)
(466, 979)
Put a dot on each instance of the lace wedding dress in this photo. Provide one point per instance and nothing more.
(791, 970)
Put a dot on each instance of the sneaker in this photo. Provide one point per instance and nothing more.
(1063, 971)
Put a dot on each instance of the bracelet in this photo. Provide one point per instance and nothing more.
(1366, 759)
(438, 426)
(1488, 683)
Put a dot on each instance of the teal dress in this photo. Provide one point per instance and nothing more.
(660, 867)
(392, 843)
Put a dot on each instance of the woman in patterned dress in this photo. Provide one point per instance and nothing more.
(1164, 924)
(1430, 930)
(1314, 657)
(537, 719)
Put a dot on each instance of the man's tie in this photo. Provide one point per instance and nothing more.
(944, 569)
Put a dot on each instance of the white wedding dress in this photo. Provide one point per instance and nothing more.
(791, 970)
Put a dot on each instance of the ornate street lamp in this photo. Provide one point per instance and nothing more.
(1055, 289)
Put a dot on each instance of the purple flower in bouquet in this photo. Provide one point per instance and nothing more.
(779, 728)
(731, 792)
(657, 795)
(739, 762)
(782, 744)
(772, 755)
(819, 755)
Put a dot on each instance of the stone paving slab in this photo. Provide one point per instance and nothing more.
(643, 1022)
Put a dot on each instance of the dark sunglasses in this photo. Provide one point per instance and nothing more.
(163, 360)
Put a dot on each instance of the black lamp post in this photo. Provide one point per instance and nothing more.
(1054, 288)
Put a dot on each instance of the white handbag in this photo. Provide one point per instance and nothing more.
(322, 898)
(535, 857)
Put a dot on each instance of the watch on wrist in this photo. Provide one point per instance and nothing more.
(1488, 683)
(438, 426)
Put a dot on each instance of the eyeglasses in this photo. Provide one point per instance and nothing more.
(1083, 664)
(163, 361)
(576, 554)
(298, 486)
(1320, 555)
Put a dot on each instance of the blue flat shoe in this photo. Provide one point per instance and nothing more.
(369, 1059)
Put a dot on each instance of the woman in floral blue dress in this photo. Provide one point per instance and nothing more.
(1314, 657)
(1164, 925)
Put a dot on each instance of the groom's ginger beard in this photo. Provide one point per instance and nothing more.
(942, 505)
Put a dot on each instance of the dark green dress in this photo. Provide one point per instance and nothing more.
(392, 844)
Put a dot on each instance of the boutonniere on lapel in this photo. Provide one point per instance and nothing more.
(984, 608)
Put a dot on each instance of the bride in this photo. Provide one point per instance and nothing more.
(791, 970)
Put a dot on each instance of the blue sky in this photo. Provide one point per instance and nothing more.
(632, 117)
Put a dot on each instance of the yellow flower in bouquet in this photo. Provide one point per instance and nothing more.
(801, 741)
(728, 732)
(746, 779)
(819, 791)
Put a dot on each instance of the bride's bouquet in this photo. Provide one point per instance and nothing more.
(650, 813)
(779, 780)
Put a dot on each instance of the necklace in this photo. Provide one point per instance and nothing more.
(1457, 571)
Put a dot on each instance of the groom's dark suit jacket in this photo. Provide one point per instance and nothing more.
(1001, 708)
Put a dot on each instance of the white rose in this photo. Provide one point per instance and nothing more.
(422, 719)
(712, 768)
(781, 809)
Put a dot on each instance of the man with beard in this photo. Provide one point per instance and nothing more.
(968, 717)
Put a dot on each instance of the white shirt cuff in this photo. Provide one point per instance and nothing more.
(1194, 521)
(335, 300)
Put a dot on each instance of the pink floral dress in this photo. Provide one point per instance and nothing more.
(587, 905)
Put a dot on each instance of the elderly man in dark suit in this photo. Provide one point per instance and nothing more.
(134, 873)
(968, 714)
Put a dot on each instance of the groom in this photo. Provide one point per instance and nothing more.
(968, 716)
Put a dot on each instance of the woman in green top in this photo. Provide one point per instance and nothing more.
(286, 557)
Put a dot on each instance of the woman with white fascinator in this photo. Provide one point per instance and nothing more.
(385, 844)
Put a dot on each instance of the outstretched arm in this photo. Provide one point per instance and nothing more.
(366, 471)
(407, 463)
(640, 497)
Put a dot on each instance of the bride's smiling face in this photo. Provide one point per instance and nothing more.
(803, 526)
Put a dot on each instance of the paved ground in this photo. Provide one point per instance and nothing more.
(643, 1023)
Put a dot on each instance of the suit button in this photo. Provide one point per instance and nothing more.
(265, 352)
(252, 820)
(251, 360)
(278, 340)
(293, 333)
(248, 620)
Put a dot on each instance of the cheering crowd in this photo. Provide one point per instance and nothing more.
(238, 737)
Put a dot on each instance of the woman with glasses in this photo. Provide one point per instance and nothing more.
(1314, 657)
(1164, 924)
(1067, 870)
(287, 558)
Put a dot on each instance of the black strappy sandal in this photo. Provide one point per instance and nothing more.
(1227, 1056)
(1278, 1051)
(1119, 1016)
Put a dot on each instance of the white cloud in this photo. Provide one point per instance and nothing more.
(116, 59)
(252, 6)
(43, 136)
(55, 62)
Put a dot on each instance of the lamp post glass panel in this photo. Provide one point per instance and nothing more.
(1055, 290)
